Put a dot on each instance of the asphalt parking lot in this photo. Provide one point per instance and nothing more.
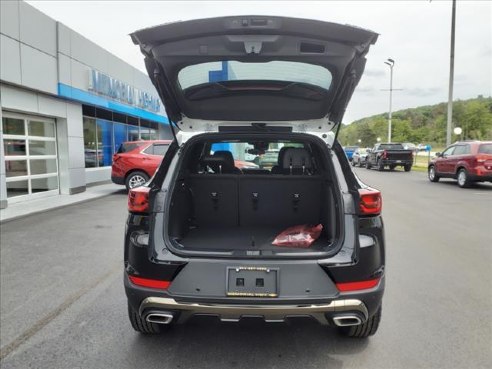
(63, 304)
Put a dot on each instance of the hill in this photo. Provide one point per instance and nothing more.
(424, 124)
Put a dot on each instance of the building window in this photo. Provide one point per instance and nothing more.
(105, 131)
(105, 142)
(30, 155)
(90, 143)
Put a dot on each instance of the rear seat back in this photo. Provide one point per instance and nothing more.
(279, 200)
(237, 200)
(215, 199)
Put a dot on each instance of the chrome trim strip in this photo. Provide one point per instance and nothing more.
(230, 311)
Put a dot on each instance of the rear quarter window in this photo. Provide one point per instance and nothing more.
(485, 149)
(156, 149)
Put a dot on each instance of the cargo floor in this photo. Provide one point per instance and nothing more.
(241, 238)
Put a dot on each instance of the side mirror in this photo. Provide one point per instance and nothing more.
(438, 154)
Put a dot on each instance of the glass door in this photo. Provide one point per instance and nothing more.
(30, 156)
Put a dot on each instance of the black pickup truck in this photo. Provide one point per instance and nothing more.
(389, 155)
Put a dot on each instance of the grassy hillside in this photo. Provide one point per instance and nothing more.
(425, 124)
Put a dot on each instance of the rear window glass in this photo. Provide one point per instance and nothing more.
(254, 155)
(485, 149)
(126, 147)
(286, 71)
(391, 147)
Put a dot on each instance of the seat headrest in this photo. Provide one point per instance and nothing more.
(220, 162)
(226, 156)
(296, 160)
(281, 154)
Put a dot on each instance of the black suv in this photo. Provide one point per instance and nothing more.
(199, 236)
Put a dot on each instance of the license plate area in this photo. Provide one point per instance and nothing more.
(252, 282)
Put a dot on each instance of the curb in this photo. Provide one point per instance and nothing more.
(56, 207)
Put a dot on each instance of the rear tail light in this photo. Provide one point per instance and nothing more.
(481, 158)
(138, 200)
(149, 283)
(357, 286)
(371, 202)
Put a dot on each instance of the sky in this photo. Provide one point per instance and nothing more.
(416, 34)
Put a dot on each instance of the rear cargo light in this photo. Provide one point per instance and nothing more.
(138, 200)
(150, 283)
(359, 285)
(371, 202)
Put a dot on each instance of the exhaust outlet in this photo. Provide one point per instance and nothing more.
(347, 320)
(159, 318)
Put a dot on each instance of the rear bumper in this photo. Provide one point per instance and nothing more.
(361, 304)
(323, 313)
(481, 175)
(118, 180)
(396, 162)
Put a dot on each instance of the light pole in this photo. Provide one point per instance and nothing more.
(451, 77)
(391, 64)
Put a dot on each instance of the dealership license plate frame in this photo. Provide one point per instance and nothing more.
(250, 275)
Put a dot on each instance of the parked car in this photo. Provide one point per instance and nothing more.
(200, 235)
(136, 161)
(349, 151)
(410, 146)
(389, 155)
(467, 162)
(243, 164)
(359, 157)
(268, 159)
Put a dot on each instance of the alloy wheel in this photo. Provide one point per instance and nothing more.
(136, 181)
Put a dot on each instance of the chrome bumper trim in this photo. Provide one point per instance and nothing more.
(268, 312)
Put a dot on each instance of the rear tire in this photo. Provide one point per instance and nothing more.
(136, 179)
(431, 173)
(141, 325)
(353, 163)
(463, 179)
(408, 167)
(368, 165)
(367, 329)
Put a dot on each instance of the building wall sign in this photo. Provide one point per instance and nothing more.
(105, 85)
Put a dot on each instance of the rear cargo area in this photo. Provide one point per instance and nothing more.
(221, 212)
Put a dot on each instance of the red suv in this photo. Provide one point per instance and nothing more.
(135, 162)
(467, 162)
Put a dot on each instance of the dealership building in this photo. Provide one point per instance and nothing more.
(66, 105)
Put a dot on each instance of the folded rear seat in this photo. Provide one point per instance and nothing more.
(280, 200)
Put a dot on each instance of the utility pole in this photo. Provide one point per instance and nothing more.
(391, 64)
(451, 76)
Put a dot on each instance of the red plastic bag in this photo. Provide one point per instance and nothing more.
(298, 236)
